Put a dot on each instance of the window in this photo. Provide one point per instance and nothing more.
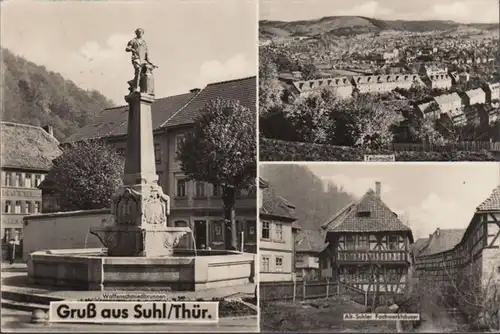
(37, 207)
(349, 242)
(365, 214)
(8, 179)
(200, 189)
(27, 207)
(17, 207)
(251, 230)
(17, 180)
(264, 264)
(38, 180)
(265, 230)
(392, 243)
(278, 232)
(179, 142)
(279, 263)
(157, 153)
(27, 181)
(181, 188)
(8, 207)
(216, 190)
(363, 242)
(7, 234)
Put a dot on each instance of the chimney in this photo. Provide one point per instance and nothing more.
(378, 187)
(49, 129)
(194, 90)
(437, 232)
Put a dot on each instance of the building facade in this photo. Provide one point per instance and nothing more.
(451, 105)
(470, 255)
(439, 81)
(342, 86)
(277, 237)
(385, 83)
(368, 246)
(197, 205)
(26, 155)
(309, 244)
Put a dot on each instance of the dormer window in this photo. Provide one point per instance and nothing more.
(365, 214)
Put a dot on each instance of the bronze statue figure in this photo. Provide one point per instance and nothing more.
(143, 75)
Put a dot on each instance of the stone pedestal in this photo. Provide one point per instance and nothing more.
(139, 206)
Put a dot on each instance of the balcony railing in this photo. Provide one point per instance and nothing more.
(372, 256)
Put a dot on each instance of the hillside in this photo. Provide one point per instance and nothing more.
(33, 95)
(347, 25)
(314, 204)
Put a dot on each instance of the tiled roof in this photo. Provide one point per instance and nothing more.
(307, 85)
(243, 90)
(442, 241)
(27, 147)
(446, 98)
(381, 218)
(273, 204)
(419, 245)
(310, 241)
(113, 121)
(475, 92)
(492, 203)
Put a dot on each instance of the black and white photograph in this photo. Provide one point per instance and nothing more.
(129, 166)
(379, 80)
(379, 247)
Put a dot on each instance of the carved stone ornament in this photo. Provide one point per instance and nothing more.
(127, 208)
(172, 239)
(154, 210)
(110, 241)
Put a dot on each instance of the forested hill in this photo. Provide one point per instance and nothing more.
(33, 95)
(315, 200)
(353, 25)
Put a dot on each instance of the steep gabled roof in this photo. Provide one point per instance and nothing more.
(381, 218)
(243, 90)
(27, 147)
(442, 241)
(310, 241)
(114, 121)
(273, 204)
(492, 203)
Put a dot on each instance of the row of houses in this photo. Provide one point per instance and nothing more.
(458, 106)
(366, 246)
(464, 258)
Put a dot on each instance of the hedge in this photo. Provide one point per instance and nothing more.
(277, 150)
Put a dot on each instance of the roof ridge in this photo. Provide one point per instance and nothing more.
(38, 128)
(182, 108)
(231, 80)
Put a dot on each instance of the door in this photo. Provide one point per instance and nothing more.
(217, 234)
(200, 234)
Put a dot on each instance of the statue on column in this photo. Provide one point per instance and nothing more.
(143, 68)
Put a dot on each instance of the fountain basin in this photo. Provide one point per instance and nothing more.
(92, 269)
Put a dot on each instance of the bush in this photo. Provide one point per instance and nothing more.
(277, 150)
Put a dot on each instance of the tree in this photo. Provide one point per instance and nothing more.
(309, 71)
(222, 151)
(309, 115)
(86, 175)
(270, 90)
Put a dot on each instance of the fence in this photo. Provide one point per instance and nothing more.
(469, 146)
(297, 290)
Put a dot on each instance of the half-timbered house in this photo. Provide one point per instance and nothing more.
(368, 246)
(471, 255)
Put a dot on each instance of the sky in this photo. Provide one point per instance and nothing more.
(194, 42)
(466, 11)
(429, 195)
